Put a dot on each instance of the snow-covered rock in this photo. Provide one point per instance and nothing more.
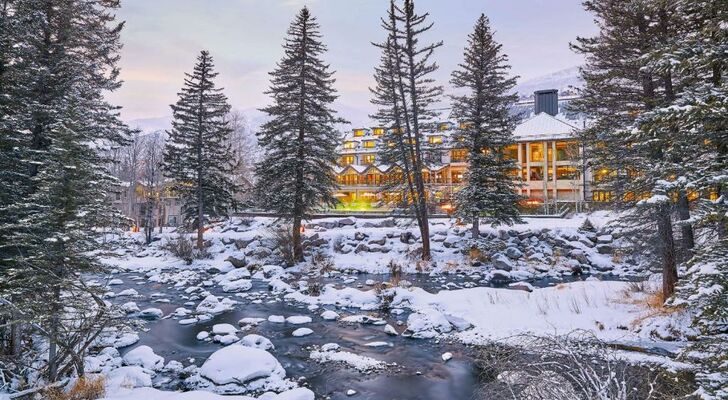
(298, 319)
(151, 313)
(144, 357)
(239, 364)
(427, 323)
(329, 315)
(223, 329)
(257, 341)
(278, 319)
(302, 332)
(129, 377)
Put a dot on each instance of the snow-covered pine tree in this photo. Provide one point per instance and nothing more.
(485, 129)
(408, 63)
(700, 58)
(64, 60)
(197, 153)
(295, 175)
(620, 89)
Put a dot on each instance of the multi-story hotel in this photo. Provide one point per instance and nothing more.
(552, 169)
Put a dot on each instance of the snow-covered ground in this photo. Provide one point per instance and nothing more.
(543, 277)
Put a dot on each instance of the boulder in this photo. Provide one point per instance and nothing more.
(502, 262)
(240, 364)
(360, 236)
(243, 243)
(605, 239)
(500, 276)
(513, 253)
(406, 237)
(605, 248)
(379, 242)
(237, 262)
(346, 222)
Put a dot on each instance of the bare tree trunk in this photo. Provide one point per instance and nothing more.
(667, 250)
(297, 246)
(476, 227)
(686, 230)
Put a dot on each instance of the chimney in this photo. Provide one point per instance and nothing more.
(546, 101)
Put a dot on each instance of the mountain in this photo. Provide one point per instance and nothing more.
(562, 80)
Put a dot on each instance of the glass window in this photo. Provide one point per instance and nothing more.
(511, 152)
(567, 151)
(435, 139)
(368, 159)
(458, 155)
(567, 173)
(536, 174)
(347, 160)
(349, 145)
(601, 196)
(369, 144)
(359, 132)
(378, 131)
(537, 152)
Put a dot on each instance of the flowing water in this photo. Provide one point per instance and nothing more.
(419, 373)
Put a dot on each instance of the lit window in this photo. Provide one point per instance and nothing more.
(368, 159)
(435, 139)
(369, 144)
(459, 155)
(349, 145)
(536, 152)
(378, 131)
(566, 151)
(511, 152)
(347, 160)
(601, 196)
(359, 132)
(567, 173)
(443, 126)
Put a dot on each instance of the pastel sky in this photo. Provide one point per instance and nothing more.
(162, 38)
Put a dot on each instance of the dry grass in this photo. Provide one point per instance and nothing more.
(649, 299)
(84, 389)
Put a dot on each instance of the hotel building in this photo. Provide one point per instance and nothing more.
(549, 157)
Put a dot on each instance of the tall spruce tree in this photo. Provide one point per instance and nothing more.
(404, 80)
(621, 90)
(485, 129)
(63, 61)
(295, 175)
(700, 59)
(197, 154)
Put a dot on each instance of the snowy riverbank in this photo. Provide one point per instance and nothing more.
(239, 306)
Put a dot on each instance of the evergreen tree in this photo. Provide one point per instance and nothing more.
(197, 154)
(485, 129)
(621, 91)
(700, 58)
(295, 174)
(404, 80)
(63, 61)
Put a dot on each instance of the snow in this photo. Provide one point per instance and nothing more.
(302, 332)
(278, 319)
(329, 315)
(144, 357)
(498, 313)
(224, 329)
(298, 319)
(257, 341)
(240, 364)
(212, 305)
(332, 354)
(129, 377)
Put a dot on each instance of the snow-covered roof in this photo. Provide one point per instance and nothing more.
(543, 126)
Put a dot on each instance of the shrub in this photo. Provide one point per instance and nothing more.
(182, 248)
(85, 388)
(587, 226)
(283, 239)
